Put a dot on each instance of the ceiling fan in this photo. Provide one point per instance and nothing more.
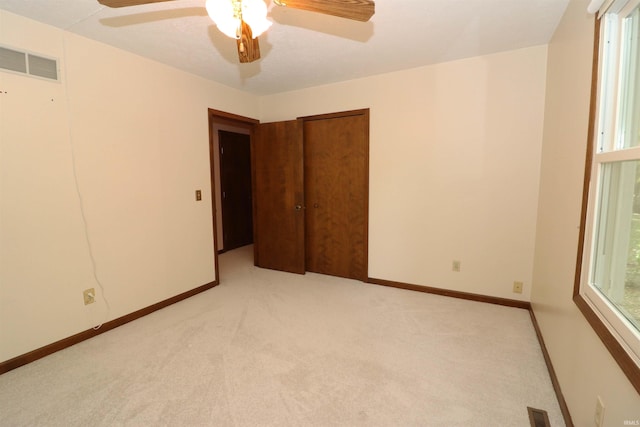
(245, 20)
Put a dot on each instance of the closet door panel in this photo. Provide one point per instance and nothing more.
(278, 196)
(336, 195)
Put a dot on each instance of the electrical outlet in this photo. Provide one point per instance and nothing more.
(198, 195)
(89, 296)
(517, 287)
(599, 415)
(455, 266)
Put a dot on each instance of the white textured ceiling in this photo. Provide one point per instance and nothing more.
(304, 49)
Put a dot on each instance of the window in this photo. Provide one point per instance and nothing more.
(609, 279)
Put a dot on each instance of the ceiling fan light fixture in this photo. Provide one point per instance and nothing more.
(229, 14)
(245, 20)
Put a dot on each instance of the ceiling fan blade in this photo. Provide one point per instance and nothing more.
(358, 10)
(125, 3)
(248, 47)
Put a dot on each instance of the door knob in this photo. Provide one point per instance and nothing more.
(298, 207)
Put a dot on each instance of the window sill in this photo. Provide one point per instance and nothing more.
(624, 360)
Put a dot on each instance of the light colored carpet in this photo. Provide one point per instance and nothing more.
(279, 349)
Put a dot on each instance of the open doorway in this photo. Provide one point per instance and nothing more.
(232, 224)
(235, 189)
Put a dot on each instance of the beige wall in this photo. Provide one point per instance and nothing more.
(138, 132)
(584, 367)
(454, 167)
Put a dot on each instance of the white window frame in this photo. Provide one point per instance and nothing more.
(606, 149)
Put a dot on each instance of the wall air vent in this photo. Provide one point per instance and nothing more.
(13, 60)
(28, 63)
(43, 67)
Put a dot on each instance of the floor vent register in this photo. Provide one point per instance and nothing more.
(538, 417)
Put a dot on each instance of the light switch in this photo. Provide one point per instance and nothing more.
(198, 195)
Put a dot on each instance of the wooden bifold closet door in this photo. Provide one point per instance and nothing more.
(335, 183)
(311, 194)
(278, 215)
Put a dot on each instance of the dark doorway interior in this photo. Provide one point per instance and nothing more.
(235, 182)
